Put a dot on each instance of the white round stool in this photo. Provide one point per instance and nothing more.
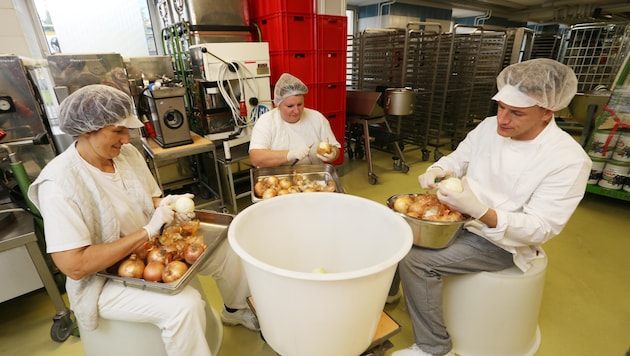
(115, 337)
(495, 313)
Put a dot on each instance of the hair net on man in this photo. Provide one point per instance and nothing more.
(543, 82)
(288, 85)
(93, 107)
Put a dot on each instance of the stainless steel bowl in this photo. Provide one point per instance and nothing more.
(429, 233)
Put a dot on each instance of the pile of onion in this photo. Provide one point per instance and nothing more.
(271, 186)
(426, 207)
(168, 257)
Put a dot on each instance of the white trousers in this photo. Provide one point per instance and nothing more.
(181, 316)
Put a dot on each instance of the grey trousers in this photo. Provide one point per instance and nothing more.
(421, 273)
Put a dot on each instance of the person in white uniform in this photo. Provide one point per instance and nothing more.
(100, 203)
(522, 179)
(290, 133)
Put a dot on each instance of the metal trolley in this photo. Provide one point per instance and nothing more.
(452, 74)
(595, 52)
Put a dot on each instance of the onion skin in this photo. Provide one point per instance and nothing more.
(153, 271)
(173, 271)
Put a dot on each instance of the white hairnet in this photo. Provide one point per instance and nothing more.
(93, 107)
(288, 85)
(546, 83)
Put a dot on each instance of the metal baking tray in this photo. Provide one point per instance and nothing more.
(314, 172)
(214, 228)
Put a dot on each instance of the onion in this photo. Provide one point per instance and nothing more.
(324, 148)
(285, 183)
(452, 184)
(401, 204)
(156, 254)
(192, 252)
(272, 181)
(173, 271)
(153, 271)
(259, 188)
(184, 205)
(131, 267)
(269, 193)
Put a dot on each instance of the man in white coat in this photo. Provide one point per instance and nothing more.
(522, 179)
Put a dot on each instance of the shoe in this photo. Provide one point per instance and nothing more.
(414, 350)
(243, 317)
(394, 298)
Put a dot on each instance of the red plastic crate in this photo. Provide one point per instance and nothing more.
(288, 31)
(332, 33)
(310, 99)
(258, 8)
(331, 66)
(299, 64)
(331, 97)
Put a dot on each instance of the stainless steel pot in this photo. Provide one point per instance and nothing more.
(399, 101)
(428, 233)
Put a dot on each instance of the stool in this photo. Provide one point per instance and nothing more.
(115, 337)
(495, 313)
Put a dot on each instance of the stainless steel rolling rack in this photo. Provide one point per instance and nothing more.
(453, 75)
(375, 61)
(595, 52)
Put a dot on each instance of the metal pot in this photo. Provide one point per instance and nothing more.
(399, 101)
(429, 233)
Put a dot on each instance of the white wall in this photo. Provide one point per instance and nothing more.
(17, 35)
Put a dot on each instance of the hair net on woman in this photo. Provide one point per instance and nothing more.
(543, 82)
(288, 85)
(93, 107)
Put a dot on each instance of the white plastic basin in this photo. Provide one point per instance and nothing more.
(358, 242)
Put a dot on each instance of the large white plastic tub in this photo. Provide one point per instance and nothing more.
(283, 239)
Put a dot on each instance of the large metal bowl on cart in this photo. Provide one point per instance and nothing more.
(430, 234)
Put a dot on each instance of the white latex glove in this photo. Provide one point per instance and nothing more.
(430, 178)
(298, 153)
(170, 199)
(465, 202)
(163, 215)
(327, 157)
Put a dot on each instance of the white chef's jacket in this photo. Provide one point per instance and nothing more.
(534, 186)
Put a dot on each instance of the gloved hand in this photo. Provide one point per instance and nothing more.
(465, 202)
(298, 153)
(427, 180)
(170, 199)
(163, 215)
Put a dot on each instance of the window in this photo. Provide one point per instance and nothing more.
(91, 26)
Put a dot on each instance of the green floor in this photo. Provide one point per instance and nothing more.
(585, 308)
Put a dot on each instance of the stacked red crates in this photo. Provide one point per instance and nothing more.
(310, 46)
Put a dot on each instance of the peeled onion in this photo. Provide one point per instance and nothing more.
(324, 148)
(452, 184)
(401, 204)
(184, 205)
